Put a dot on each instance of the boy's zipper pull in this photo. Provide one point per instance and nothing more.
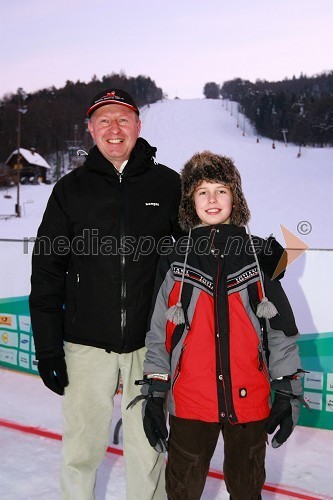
(187, 323)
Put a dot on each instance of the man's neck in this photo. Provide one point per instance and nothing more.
(121, 167)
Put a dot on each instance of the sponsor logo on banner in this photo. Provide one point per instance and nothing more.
(329, 402)
(314, 400)
(8, 321)
(24, 341)
(5, 337)
(25, 323)
(23, 358)
(9, 339)
(314, 380)
(5, 320)
(330, 382)
(8, 356)
(34, 363)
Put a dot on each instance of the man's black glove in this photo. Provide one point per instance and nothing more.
(286, 408)
(154, 419)
(53, 372)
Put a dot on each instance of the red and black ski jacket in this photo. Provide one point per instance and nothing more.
(222, 359)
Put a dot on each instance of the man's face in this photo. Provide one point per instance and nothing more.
(115, 130)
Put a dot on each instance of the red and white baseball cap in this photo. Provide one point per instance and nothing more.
(112, 96)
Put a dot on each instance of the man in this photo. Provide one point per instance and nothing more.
(93, 272)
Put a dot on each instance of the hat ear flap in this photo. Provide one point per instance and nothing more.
(240, 214)
(188, 217)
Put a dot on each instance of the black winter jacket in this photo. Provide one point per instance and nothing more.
(96, 253)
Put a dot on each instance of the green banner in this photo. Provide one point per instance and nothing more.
(17, 351)
(316, 351)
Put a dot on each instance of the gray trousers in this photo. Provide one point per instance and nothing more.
(191, 447)
(87, 413)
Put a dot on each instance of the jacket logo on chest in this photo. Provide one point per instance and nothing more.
(193, 276)
(242, 278)
(152, 204)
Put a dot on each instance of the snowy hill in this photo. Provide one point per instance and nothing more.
(280, 189)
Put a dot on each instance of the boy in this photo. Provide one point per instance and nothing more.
(216, 345)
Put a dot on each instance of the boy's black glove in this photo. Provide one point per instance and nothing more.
(286, 408)
(154, 389)
(53, 372)
(154, 422)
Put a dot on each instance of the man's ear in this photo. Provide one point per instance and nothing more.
(91, 129)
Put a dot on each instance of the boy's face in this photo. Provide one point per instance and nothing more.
(213, 203)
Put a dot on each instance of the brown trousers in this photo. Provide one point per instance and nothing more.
(191, 447)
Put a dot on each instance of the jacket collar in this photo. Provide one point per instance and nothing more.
(219, 231)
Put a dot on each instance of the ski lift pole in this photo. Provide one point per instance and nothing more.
(20, 109)
(18, 161)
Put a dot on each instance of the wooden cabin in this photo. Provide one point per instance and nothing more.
(33, 167)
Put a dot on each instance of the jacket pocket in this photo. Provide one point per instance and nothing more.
(76, 292)
(262, 366)
(180, 467)
(257, 458)
(178, 367)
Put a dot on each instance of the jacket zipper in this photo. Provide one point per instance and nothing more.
(221, 378)
(123, 290)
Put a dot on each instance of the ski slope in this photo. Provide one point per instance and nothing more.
(279, 187)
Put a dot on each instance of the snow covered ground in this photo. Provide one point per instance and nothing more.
(30, 464)
(281, 189)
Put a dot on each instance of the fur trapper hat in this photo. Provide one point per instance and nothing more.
(212, 168)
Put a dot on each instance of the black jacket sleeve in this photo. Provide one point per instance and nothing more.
(176, 230)
(50, 261)
(269, 256)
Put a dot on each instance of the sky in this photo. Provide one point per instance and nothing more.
(180, 44)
